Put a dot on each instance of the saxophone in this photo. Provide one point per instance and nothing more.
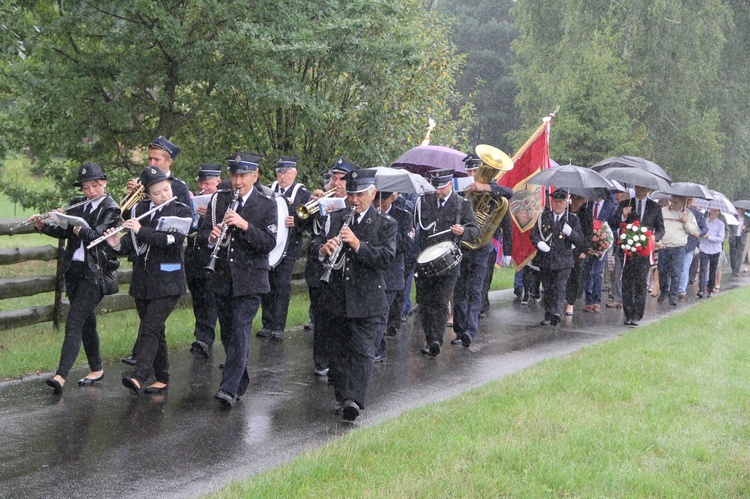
(489, 211)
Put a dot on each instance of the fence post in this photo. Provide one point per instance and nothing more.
(59, 283)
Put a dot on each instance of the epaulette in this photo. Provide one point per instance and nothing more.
(386, 216)
(183, 204)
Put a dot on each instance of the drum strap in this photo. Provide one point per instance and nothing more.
(418, 217)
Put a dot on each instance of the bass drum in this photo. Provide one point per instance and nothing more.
(438, 259)
(282, 231)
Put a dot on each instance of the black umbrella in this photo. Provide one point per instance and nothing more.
(636, 176)
(690, 190)
(570, 177)
(632, 162)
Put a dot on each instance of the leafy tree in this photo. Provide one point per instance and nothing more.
(318, 79)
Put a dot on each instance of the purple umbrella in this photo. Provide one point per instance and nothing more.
(423, 159)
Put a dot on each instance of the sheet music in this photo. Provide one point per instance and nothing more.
(200, 201)
(175, 224)
(461, 183)
(328, 205)
(63, 220)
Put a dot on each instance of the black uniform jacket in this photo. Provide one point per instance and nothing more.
(242, 265)
(105, 216)
(561, 254)
(301, 196)
(394, 274)
(362, 286)
(158, 270)
(427, 211)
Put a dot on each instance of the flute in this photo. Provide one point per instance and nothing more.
(122, 227)
(47, 215)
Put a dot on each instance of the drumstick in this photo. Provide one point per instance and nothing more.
(439, 233)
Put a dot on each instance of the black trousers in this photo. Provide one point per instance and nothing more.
(575, 281)
(80, 326)
(352, 359)
(152, 351)
(634, 286)
(276, 303)
(204, 306)
(491, 260)
(555, 282)
(321, 342)
(236, 317)
(433, 297)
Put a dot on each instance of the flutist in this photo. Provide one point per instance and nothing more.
(82, 269)
(241, 266)
(158, 277)
(353, 303)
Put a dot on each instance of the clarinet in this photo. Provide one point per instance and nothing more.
(224, 229)
(329, 264)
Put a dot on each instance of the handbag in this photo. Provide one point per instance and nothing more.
(108, 278)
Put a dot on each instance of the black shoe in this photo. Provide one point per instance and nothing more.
(338, 409)
(89, 381)
(526, 298)
(321, 372)
(545, 322)
(392, 331)
(263, 333)
(433, 350)
(129, 360)
(277, 334)
(673, 302)
(350, 410)
(709, 295)
(226, 401)
(153, 390)
(57, 387)
(456, 341)
(699, 294)
(626, 322)
(132, 384)
(200, 348)
(633, 324)
(466, 340)
(518, 291)
(309, 326)
(661, 298)
(554, 320)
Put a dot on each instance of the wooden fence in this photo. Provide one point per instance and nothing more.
(58, 310)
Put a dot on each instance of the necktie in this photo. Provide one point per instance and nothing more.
(239, 205)
(640, 211)
(282, 191)
(86, 210)
(441, 203)
(596, 211)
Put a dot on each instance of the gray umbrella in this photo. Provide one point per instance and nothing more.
(689, 190)
(742, 203)
(570, 177)
(631, 162)
(636, 176)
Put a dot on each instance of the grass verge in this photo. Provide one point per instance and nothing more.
(658, 412)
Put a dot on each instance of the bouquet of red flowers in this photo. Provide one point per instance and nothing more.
(636, 240)
(601, 240)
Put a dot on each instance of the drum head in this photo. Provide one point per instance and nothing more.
(282, 232)
(435, 251)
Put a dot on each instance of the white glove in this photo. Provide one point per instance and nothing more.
(567, 229)
(506, 261)
(543, 246)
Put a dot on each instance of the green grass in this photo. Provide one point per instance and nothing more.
(659, 412)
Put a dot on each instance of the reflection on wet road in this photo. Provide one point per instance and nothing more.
(102, 441)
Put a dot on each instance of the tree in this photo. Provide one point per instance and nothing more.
(318, 79)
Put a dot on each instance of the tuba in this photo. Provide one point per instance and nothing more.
(488, 210)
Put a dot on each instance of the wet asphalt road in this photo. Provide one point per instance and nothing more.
(105, 442)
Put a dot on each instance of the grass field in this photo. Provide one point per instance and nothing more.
(659, 412)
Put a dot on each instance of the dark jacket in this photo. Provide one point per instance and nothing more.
(394, 274)
(561, 254)
(432, 220)
(105, 216)
(700, 220)
(358, 289)
(242, 265)
(158, 269)
(652, 217)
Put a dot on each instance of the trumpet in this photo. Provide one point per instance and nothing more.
(122, 227)
(305, 210)
(224, 229)
(47, 215)
(136, 195)
(332, 263)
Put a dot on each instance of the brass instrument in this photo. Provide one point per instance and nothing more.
(47, 215)
(136, 195)
(305, 210)
(489, 211)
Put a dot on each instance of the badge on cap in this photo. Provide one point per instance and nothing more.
(238, 158)
(83, 171)
(152, 171)
(353, 175)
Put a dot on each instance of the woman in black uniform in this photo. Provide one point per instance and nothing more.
(158, 276)
(83, 270)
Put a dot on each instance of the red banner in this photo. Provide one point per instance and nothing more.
(528, 200)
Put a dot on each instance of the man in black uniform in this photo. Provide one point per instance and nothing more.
(196, 259)
(556, 232)
(241, 264)
(394, 274)
(276, 303)
(354, 302)
(440, 216)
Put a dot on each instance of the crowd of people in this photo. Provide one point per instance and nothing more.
(362, 260)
